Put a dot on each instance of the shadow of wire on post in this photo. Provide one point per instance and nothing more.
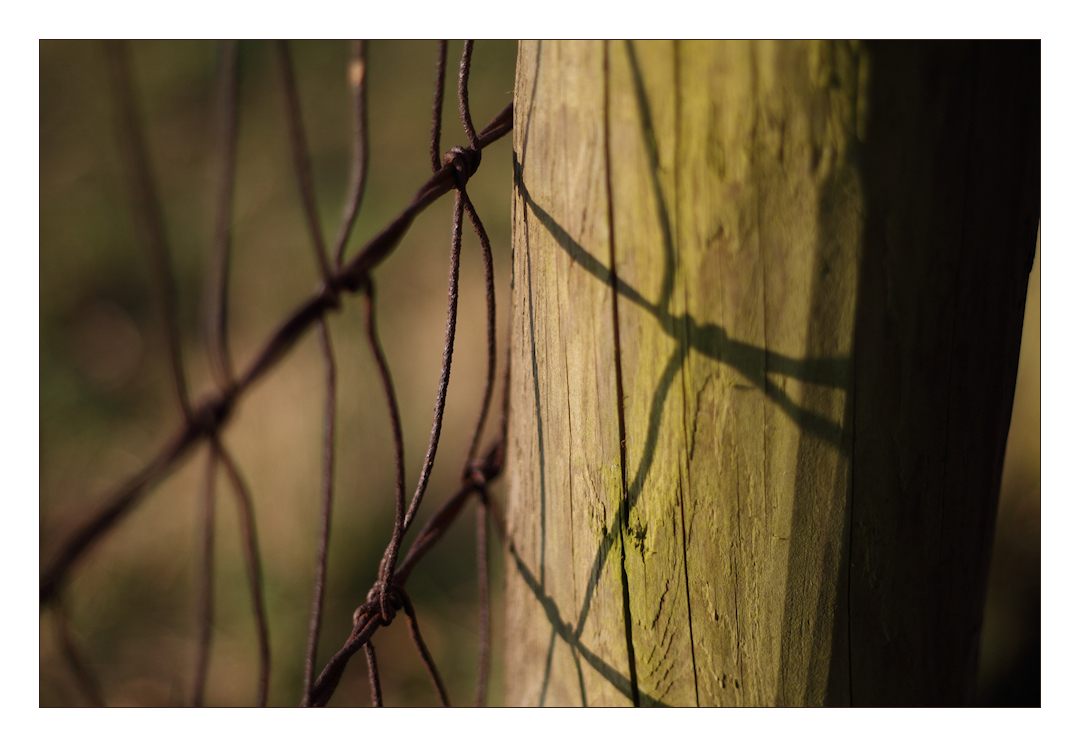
(751, 361)
(710, 340)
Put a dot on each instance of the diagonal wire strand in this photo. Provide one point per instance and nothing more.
(373, 675)
(448, 355)
(218, 284)
(358, 170)
(422, 649)
(146, 208)
(254, 565)
(436, 115)
(463, 94)
(326, 505)
(324, 686)
(389, 560)
(205, 602)
(489, 284)
(482, 585)
(301, 158)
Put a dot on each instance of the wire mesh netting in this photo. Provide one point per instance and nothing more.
(192, 542)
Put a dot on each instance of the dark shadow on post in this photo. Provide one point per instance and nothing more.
(951, 180)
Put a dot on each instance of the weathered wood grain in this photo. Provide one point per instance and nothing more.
(694, 271)
(564, 393)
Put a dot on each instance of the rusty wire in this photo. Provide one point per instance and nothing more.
(437, 107)
(206, 420)
(206, 581)
(358, 175)
(388, 595)
(301, 160)
(217, 309)
(146, 207)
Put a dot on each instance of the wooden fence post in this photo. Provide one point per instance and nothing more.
(767, 303)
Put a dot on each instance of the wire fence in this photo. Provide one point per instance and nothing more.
(203, 422)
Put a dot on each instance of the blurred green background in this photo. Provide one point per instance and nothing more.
(106, 404)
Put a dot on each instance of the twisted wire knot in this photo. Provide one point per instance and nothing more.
(211, 413)
(331, 290)
(383, 601)
(465, 161)
(476, 472)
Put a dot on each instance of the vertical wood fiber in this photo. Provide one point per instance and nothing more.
(682, 482)
(564, 393)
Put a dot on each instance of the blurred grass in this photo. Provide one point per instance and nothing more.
(106, 402)
(105, 405)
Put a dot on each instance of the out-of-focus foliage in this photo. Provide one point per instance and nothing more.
(107, 404)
